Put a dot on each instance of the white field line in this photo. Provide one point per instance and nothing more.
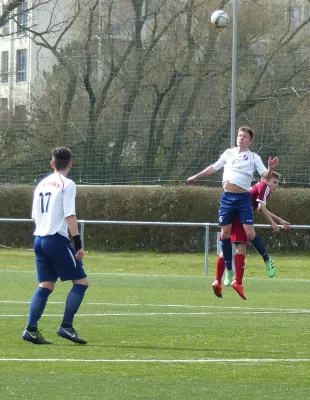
(171, 276)
(151, 314)
(161, 361)
(243, 309)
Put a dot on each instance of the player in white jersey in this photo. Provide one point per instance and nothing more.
(239, 166)
(53, 211)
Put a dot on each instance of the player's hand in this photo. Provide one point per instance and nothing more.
(79, 254)
(285, 224)
(275, 227)
(191, 179)
(273, 162)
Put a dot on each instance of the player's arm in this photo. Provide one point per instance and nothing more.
(262, 209)
(272, 164)
(73, 225)
(74, 230)
(211, 169)
(279, 220)
(262, 170)
(208, 171)
(69, 212)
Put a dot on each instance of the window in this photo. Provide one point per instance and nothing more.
(4, 104)
(4, 67)
(20, 113)
(6, 26)
(116, 28)
(21, 65)
(22, 18)
(4, 108)
(306, 12)
(294, 16)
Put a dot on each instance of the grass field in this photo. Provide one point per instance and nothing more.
(156, 331)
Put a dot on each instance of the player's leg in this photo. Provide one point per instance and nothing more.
(261, 249)
(240, 262)
(238, 237)
(245, 218)
(47, 279)
(227, 254)
(224, 260)
(69, 268)
(220, 268)
(74, 300)
(237, 284)
(226, 217)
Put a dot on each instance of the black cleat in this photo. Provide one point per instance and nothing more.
(70, 334)
(35, 337)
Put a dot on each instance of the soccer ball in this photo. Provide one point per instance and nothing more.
(220, 18)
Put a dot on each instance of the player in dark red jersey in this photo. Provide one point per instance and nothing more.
(260, 192)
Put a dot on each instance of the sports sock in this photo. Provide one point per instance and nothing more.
(37, 306)
(260, 247)
(239, 267)
(220, 268)
(227, 252)
(74, 300)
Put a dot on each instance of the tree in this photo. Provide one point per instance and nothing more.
(142, 89)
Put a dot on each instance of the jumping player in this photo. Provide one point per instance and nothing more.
(260, 193)
(239, 166)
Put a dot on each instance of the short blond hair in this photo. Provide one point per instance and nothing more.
(246, 129)
(275, 174)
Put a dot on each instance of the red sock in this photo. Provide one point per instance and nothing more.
(220, 268)
(239, 267)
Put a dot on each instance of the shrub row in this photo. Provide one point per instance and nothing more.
(168, 204)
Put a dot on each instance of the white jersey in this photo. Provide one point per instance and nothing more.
(240, 167)
(53, 201)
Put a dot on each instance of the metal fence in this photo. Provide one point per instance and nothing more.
(206, 226)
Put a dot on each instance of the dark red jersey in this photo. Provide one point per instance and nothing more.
(260, 193)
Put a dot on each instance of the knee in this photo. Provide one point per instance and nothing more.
(250, 235)
(225, 235)
(241, 249)
(48, 285)
(84, 282)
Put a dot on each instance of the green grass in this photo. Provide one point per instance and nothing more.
(159, 314)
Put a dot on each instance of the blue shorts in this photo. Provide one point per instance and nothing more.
(55, 258)
(236, 205)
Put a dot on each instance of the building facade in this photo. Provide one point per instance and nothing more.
(15, 66)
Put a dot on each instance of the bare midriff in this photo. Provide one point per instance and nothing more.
(231, 187)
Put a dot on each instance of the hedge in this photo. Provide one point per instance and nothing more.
(179, 204)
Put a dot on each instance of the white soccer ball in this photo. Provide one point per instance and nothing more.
(220, 18)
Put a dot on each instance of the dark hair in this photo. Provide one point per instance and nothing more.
(246, 129)
(61, 157)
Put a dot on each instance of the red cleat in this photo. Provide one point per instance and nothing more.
(239, 289)
(217, 288)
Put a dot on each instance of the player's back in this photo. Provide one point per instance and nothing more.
(53, 200)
